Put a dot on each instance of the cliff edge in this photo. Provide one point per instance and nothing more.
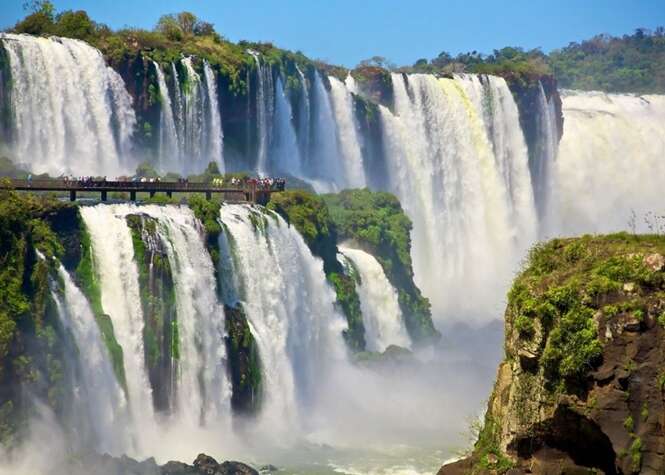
(582, 385)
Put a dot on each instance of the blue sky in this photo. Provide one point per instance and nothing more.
(346, 31)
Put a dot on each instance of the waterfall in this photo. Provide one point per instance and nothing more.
(178, 112)
(190, 131)
(325, 167)
(289, 306)
(169, 143)
(97, 391)
(351, 84)
(194, 118)
(202, 390)
(462, 177)
(348, 137)
(286, 155)
(304, 117)
(610, 163)
(491, 95)
(382, 316)
(215, 132)
(114, 261)
(71, 112)
(264, 107)
(547, 132)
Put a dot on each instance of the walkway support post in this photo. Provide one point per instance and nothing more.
(132, 196)
(208, 195)
(103, 195)
(72, 195)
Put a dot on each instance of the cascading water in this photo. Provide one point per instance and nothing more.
(97, 391)
(472, 208)
(610, 163)
(113, 253)
(285, 153)
(72, 113)
(382, 316)
(194, 99)
(547, 144)
(203, 392)
(169, 142)
(264, 109)
(190, 130)
(289, 306)
(304, 116)
(347, 134)
(214, 131)
(325, 167)
(351, 84)
(178, 111)
(491, 96)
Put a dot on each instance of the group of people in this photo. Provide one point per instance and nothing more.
(266, 183)
(272, 184)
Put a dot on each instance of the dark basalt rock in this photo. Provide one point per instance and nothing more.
(95, 464)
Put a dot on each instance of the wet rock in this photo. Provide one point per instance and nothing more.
(268, 469)
(632, 324)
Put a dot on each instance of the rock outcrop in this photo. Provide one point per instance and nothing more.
(582, 385)
(95, 464)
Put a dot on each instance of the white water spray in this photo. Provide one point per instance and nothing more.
(289, 306)
(472, 210)
(98, 391)
(382, 317)
(71, 112)
(347, 134)
(610, 162)
(214, 119)
(113, 253)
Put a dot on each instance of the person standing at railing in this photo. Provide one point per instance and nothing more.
(30, 179)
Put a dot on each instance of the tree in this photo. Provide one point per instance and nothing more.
(203, 28)
(187, 21)
(168, 25)
(44, 7)
(377, 61)
(75, 25)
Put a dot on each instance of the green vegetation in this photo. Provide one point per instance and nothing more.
(158, 302)
(631, 63)
(31, 337)
(207, 211)
(629, 424)
(376, 222)
(513, 63)
(88, 281)
(244, 363)
(311, 217)
(565, 284)
(487, 447)
(348, 300)
(636, 454)
(174, 35)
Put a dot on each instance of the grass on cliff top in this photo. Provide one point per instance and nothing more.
(564, 285)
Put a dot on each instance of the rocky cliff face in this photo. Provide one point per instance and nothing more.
(582, 385)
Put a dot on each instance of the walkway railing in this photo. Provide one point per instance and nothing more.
(252, 190)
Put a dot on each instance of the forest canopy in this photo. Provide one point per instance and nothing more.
(629, 63)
